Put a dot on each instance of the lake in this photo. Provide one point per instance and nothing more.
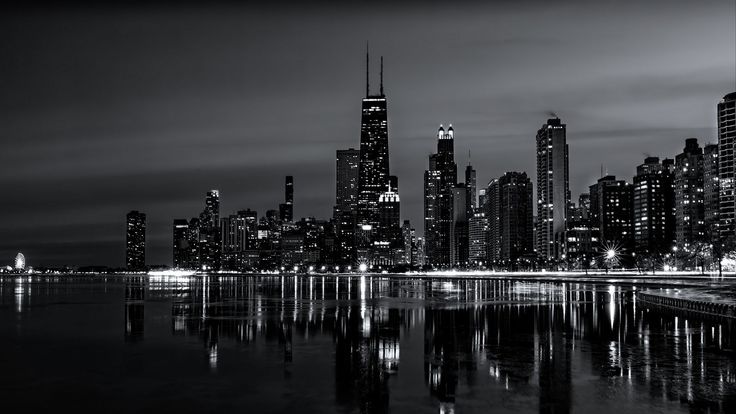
(388, 343)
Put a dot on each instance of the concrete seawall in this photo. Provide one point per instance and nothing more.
(727, 310)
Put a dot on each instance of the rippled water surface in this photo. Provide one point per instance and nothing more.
(353, 344)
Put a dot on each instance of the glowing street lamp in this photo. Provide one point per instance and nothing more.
(363, 267)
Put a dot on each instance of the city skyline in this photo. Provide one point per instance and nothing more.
(501, 140)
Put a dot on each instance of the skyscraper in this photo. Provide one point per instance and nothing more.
(135, 241)
(439, 181)
(510, 227)
(478, 238)
(689, 207)
(346, 183)
(472, 187)
(459, 226)
(210, 240)
(727, 165)
(181, 243)
(654, 207)
(711, 189)
(373, 174)
(611, 211)
(286, 210)
(553, 189)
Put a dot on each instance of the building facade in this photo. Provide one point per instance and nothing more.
(135, 241)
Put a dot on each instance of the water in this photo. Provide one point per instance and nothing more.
(353, 344)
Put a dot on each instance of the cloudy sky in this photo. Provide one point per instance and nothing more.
(109, 109)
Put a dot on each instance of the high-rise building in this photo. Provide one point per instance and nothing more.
(346, 183)
(459, 226)
(470, 182)
(553, 189)
(210, 240)
(408, 236)
(509, 208)
(711, 189)
(286, 210)
(389, 210)
(611, 211)
(582, 235)
(373, 168)
(439, 181)
(654, 207)
(181, 243)
(135, 241)
(689, 207)
(477, 238)
(727, 165)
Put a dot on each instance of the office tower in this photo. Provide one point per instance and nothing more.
(407, 235)
(727, 165)
(582, 236)
(373, 175)
(472, 186)
(286, 210)
(393, 183)
(481, 198)
(689, 208)
(509, 205)
(181, 243)
(210, 240)
(194, 255)
(346, 183)
(418, 252)
(135, 241)
(459, 226)
(477, 238)
(553, 189)
(611, 211)
(654, 207)
(389, 243)
(711, 190)
(439, 181)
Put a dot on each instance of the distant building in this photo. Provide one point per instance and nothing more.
(439, 181)
(611, 211)
(582, 234)
(478, 238)
(459, 226)
(286, 210)
(408, 236)
(654, 206)
(689, 202)
(509, 210)
(711, 190)
(727, 165)
(135, 241)
(209, 232)
(373, 175)
(346, 183)
(553, 189)
(181, 246)
(470, 182)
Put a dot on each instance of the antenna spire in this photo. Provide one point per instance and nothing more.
(367, 70)
(381, 75)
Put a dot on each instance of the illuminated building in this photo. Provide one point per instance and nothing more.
(459, 226)
(181, 243)
(286, 210)
(611, 211)
(209, 232)
(346, 203)
(727, 165)
(478, 238)
(510, 226)
(711, 189)
(439, 181)
(135, 241)
(373, 168)
(553, 189)
(408, 236)
(689, 207)
(654, 207)
(389, 243)
(470, 182)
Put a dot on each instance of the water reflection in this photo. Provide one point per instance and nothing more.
(386, 343)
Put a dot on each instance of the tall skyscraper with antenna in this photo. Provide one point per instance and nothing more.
(373, 169)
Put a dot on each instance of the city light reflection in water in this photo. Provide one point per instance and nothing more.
(365, 343)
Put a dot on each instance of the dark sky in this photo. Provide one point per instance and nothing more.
(106, 110)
